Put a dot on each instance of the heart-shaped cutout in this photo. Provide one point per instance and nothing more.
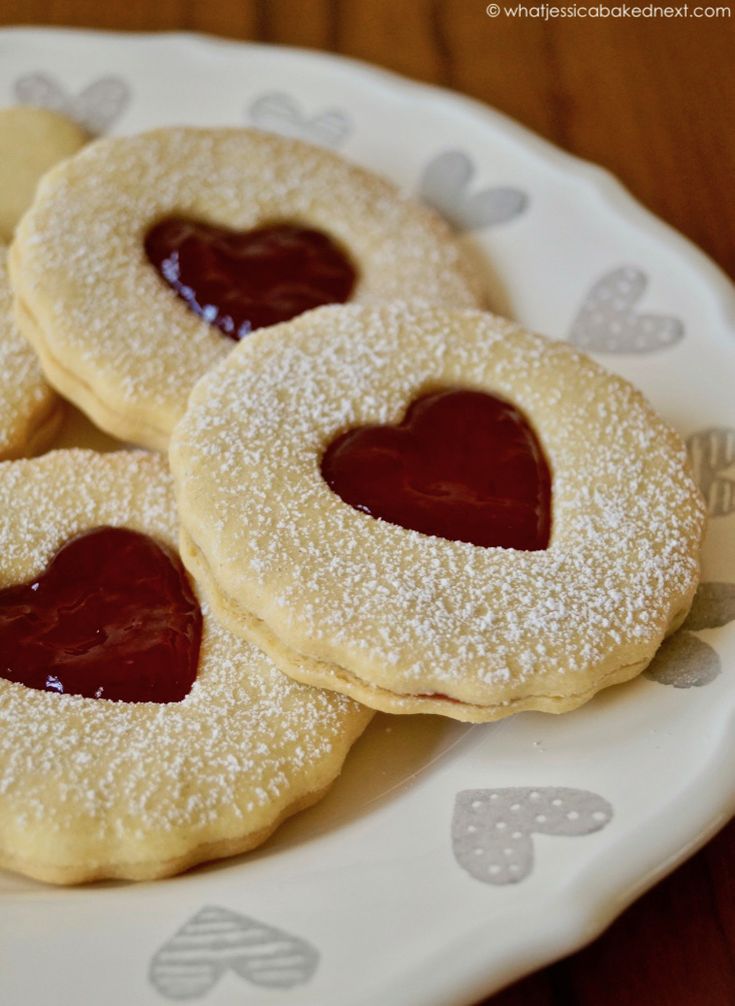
(240, 281)
(463, 465)
(216, 940)
(492, 829)
(112, 617)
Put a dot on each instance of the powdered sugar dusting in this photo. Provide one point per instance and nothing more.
(104, 312)
(410, 612)
(92, 779)
(24, 395)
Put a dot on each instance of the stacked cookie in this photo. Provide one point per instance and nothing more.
(30, 411)
(385, 498)
(32, 140)
(387, 534)
(103, 262)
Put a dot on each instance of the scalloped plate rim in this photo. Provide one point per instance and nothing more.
(582, 909)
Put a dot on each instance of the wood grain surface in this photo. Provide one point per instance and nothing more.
(652, 101)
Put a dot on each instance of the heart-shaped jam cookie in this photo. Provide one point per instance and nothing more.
(463, 465)
(240, 281)
(112, 617)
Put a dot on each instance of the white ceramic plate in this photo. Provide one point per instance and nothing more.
(377, 894)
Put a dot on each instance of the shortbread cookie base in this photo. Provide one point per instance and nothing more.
(30, 411)
(32, 140)
(92, 788)
(116, 339)
(384, 610)
(89, 872)
(124, 426)
(325, 675)
(41, 435)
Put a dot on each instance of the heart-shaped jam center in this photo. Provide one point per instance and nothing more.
(112, 617)
(239, 281)
(463, 465)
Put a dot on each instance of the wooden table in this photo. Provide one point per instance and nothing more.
(652, 100)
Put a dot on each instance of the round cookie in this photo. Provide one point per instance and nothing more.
(32, 140)
(30, 411)
(406, 621)
(119, 340)
(92, 788)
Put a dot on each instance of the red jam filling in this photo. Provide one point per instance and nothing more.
(112, 617)
(239, 281)
(462, 465)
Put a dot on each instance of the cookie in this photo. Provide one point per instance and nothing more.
(30, 411)
(401, 597)
(32, 140)
(144, 257)
(137, 736)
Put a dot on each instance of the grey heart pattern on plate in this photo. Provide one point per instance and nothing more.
(712, 454)
(277, 112)
(684, 660)
(713, 606)
(96, 107)
(608, 321)
(492, 829)
(445, 185)
(216, 940)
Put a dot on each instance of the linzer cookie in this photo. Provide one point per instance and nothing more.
(144, 259)
(137, 736)
(444, 514)
(30, 411)
(32, 140)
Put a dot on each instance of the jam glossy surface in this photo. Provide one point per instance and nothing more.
(240, 281)
(462, 465)
(112, 617)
